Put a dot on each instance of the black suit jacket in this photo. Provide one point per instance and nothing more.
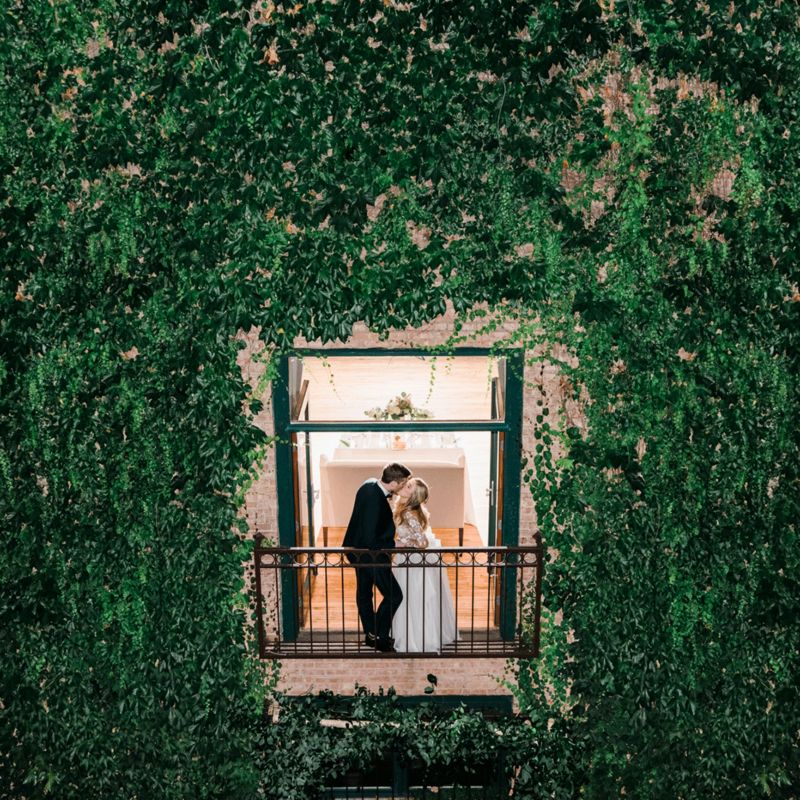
(371, 524)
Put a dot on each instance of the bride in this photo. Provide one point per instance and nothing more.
(426, 619)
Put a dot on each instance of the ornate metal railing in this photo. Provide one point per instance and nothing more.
(306, 601)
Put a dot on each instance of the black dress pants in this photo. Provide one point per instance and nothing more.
(376, 571)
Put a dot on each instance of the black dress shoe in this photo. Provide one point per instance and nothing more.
(382, 645)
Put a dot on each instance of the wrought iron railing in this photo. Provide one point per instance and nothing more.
(306, 601)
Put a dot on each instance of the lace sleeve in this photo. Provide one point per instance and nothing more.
(410, 533)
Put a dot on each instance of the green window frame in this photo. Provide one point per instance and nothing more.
(508, 430)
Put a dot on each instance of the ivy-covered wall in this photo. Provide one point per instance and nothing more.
(621, 179)
(408, 677)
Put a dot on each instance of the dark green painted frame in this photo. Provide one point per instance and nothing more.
(512, 454)
(281, 407)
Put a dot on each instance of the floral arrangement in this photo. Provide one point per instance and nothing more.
(401, 407)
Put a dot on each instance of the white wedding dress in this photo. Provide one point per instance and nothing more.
(425, 622)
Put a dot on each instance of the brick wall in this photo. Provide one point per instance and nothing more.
(456, 676)
(468, 676)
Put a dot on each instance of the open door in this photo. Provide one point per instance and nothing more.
(496, 494)
(303, 504)
(302, 477)
(504, 580)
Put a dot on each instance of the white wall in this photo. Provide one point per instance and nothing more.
(476, 451)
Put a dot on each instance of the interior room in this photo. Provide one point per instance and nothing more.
(456, 463)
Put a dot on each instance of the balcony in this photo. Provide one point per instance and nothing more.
(306, 601)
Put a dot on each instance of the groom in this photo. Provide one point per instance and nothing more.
(371, 527)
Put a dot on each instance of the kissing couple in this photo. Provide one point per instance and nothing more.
(425, 619)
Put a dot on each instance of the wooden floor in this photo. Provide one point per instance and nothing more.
(333, 592)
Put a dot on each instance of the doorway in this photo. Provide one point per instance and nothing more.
(455, 420)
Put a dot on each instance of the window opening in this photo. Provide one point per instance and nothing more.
(454, 421)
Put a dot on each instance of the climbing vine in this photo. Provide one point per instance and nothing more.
(335, 739)
(618, 180)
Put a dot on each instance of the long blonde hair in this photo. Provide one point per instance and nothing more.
(413, 503)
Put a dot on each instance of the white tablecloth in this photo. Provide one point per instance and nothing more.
(444, 470)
